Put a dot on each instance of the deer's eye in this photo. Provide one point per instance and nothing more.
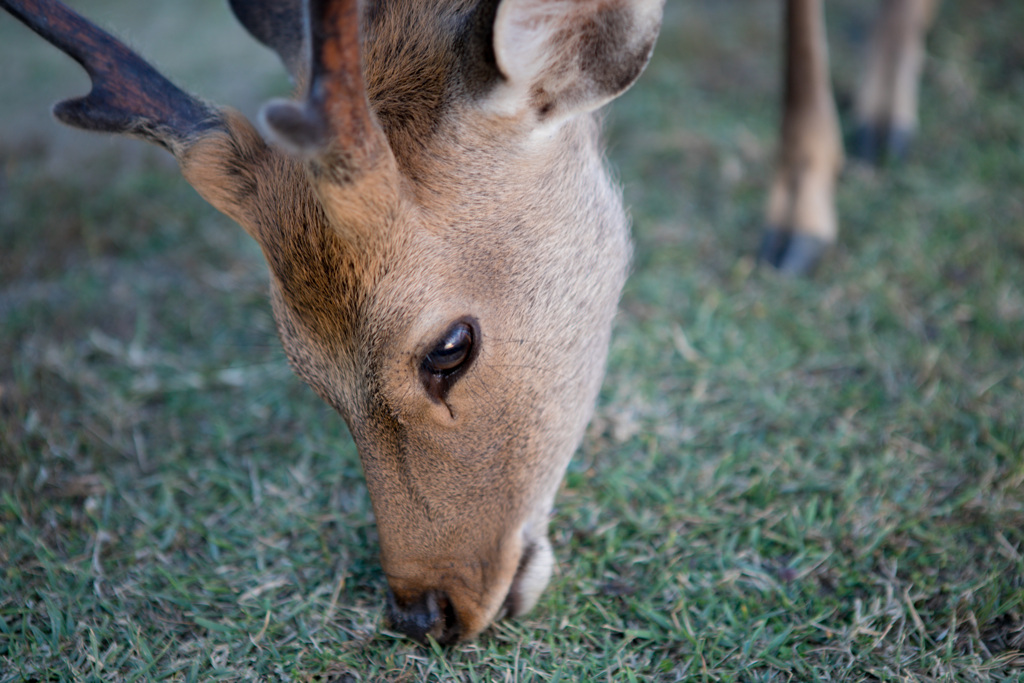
(452, 351)
(449, 358)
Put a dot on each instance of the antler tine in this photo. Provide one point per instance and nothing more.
(335, 119)
(128, 95)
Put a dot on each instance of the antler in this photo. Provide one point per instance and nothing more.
(278, 24)
(128, 95)
(334, 122)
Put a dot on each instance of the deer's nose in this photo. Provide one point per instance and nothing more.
(429, 614)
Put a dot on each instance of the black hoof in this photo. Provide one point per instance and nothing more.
(878, 145)
(864, 144)
(803, 255)
(773, 245)
(898, 144)
(791, 254)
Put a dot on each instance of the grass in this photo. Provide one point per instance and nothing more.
(785, 480)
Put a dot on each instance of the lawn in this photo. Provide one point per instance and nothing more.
(786, 480)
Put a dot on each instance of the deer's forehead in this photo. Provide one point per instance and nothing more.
(413, 76)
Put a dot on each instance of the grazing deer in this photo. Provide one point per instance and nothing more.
(446, 251)
(801, 221)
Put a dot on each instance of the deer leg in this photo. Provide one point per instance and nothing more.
(801, 216)
(886, 106)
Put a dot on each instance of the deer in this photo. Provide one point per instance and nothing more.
(801, 223)
(446, 246)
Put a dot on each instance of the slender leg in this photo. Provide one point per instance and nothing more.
(886, 107)
(801, 215)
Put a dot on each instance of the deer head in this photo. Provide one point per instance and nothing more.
(445, 246)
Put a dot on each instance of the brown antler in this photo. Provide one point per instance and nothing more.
(128, 95)
(334, 123)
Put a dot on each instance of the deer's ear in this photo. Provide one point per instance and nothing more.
(278, 24)
(559, 58)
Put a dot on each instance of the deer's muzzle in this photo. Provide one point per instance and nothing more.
(430, 614)
(448, 609)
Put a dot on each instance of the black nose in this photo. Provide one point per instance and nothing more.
(431, 614)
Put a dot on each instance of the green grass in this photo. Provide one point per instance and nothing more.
(785, 480)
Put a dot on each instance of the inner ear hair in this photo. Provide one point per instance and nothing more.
(560, 58)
